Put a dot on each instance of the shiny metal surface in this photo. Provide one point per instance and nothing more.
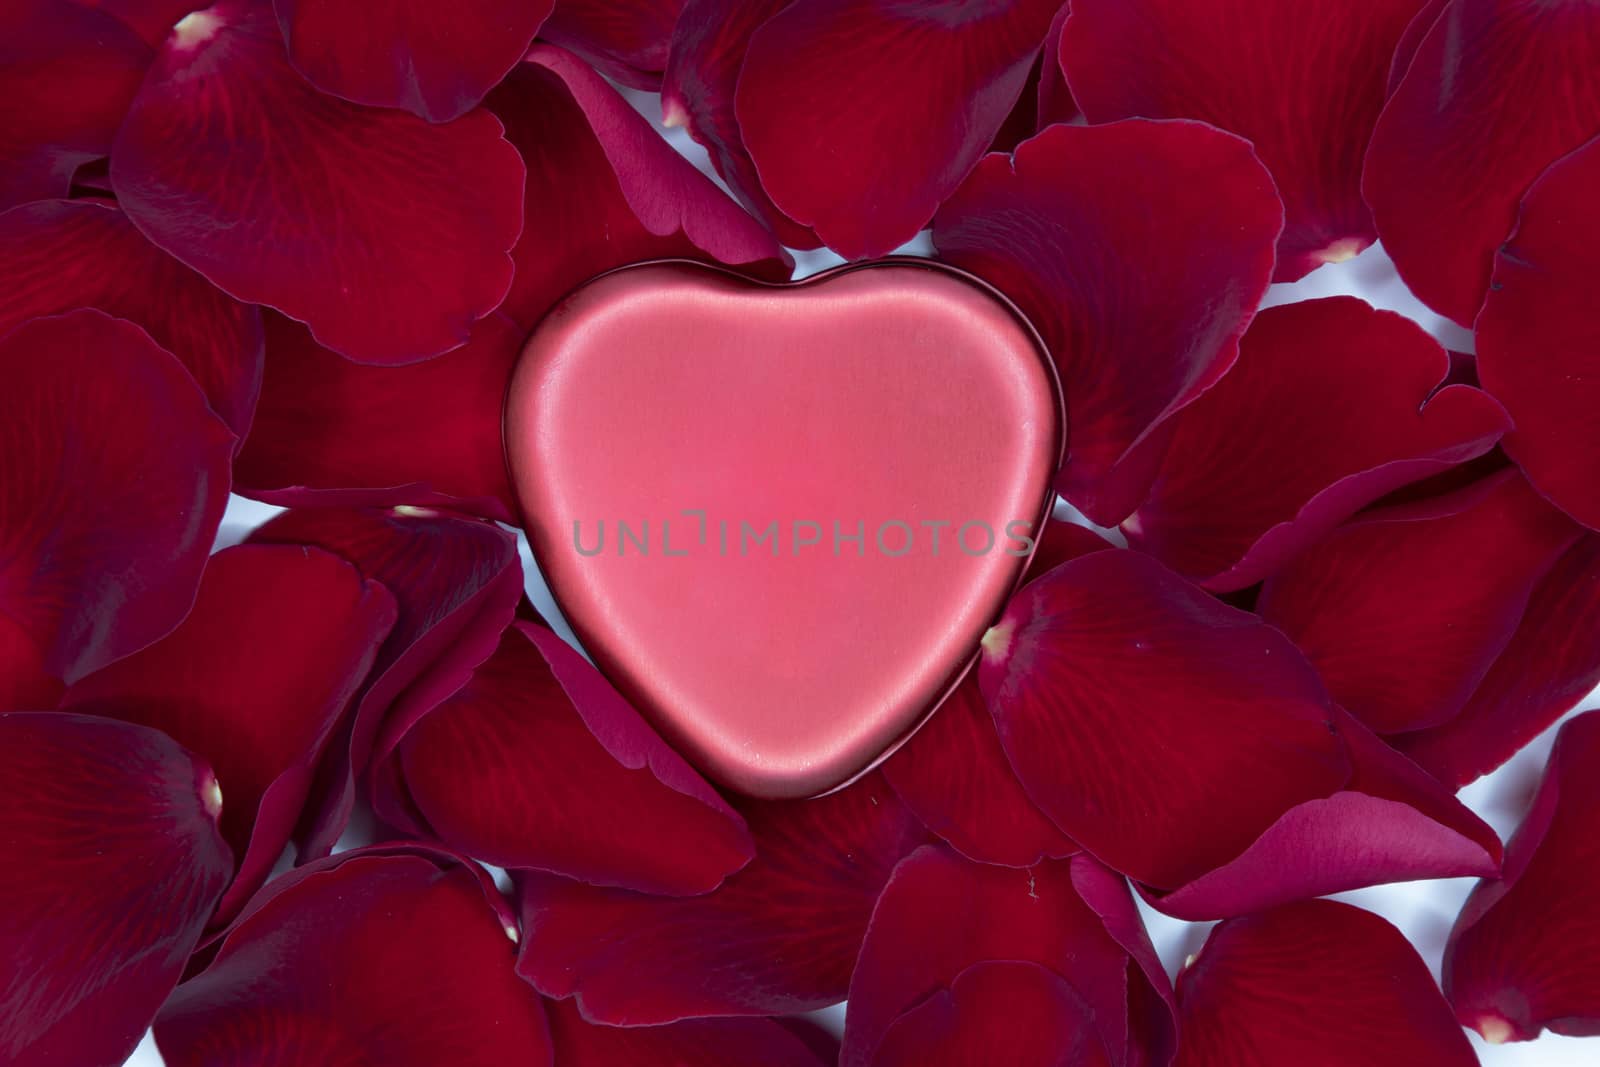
(697, 409)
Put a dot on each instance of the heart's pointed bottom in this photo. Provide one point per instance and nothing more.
(781, 519)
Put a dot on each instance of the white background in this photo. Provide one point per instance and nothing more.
(1424, 911)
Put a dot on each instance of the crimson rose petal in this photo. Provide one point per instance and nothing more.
(150, 19)
(67, 74)
(1054, 96)
(456, 583)
(780, 936)
(1079, 674)
(627, 40)
(1539, 339)
(940, 914)
(1002, 1011)
(1140, 294)
(1315, 984)
(953, 772)
(1405, 49)
(1340, 404)
(1521, 956)
(954, 775)
(110, 863)
(604, 190)
(1552, 663)
(538, 762)
(818, 1038)
(1303, 82)
(863, 117)
(386, 235)
(1403, 612)
(332, 431)
(255, 679)
(114, 480)
(398, 956)
(1391, 823)
(1022, 121)
(708, 49)
(435, 60)
(691, 1043)
(1060, 541)
(56, 255)
(24, 680)
(1449, 161)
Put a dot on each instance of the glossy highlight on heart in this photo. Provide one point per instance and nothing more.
(780, 518)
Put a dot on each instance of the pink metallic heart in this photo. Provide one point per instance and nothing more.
(780, 518)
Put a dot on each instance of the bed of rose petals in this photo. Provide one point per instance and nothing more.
(290, 248)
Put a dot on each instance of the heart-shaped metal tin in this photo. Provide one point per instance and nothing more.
(780, 518)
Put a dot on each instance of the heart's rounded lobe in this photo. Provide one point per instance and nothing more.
(780, 518)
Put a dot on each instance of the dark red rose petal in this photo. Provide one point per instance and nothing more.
(691, 1043)
(1141, 291)
(456, 583)
(386, 235)
(434, 60)
(1384, 774)
(1449, 161)
(1552, 663)
(1391, 823)
(1405, 50)
(57, 255)
(67, 74)
(1303, 82)
(332, 431)
(953, 772)
(863, 117)
(1022, 121)
(954, 775)
(817, 1037)
(697, 92)
(1404, 612)
(940, 914)
(627, 40)
(400, 957)
(1019, 1014)
(780, 936)
(1314, 984)
(1080, 674)
(110, 863)
(1061, 541)
(1539, 338)
(604, 190)
(114, 478)
(538, 762)
(1055, 103)
(1521, 956)
(92, 182)
(152, 20)
(1332, 405)
(24, 681)
(255, 679)
(1451, 479)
